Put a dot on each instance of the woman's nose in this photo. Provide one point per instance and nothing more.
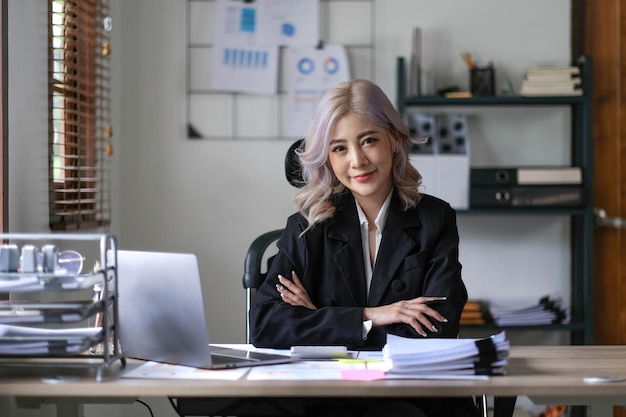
(358, 158)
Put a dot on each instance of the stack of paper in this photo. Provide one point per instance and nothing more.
(414, 357)
(19, 340)
(548, 310)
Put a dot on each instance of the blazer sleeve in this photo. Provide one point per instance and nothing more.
(279, 325)
(441, 274)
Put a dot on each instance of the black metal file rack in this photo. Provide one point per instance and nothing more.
(582, 218)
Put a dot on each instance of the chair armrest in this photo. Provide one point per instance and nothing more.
(252, 276)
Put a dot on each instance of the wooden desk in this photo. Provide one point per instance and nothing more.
(546, 374)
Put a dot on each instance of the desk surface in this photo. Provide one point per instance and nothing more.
(541, 372)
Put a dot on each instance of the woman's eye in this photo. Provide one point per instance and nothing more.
(338, 148)
(369, 140)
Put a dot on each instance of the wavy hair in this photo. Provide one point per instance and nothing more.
(315, 200)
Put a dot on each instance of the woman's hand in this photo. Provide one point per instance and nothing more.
(413, 312)
(293, 292)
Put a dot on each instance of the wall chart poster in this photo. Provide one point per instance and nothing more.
(240, 63)
(309, 73)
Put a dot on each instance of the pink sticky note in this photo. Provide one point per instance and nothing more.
(362, 374)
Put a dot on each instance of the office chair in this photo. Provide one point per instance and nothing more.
(253, 272)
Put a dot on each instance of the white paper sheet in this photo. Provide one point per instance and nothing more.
(288, 22)
(304, 371)
(309, 73)
(240, 61)
(156, 370)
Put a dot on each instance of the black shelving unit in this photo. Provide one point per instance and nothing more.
(582, 218)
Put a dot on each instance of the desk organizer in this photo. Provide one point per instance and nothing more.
(51, 315)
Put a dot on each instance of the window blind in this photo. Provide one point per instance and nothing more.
(80, 146)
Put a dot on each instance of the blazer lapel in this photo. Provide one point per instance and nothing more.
(345, 237)
(394, 247)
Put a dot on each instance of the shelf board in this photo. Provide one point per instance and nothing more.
(553, 211)
(492, 326)
(493, 101)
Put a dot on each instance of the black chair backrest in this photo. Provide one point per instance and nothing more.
(293, 170)
(253, 276)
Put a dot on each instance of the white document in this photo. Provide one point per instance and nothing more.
(27, 283)
(304, 370)
(156, 370)
(288, 22)
(309, 73)
(240, 61)
(413, 356)
(32, 340)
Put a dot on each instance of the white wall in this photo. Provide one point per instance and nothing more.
(213, 197)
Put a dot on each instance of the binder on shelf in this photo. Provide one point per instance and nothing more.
(527, 196)
(493, 176)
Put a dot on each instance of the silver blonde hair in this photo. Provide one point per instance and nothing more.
(364, 98)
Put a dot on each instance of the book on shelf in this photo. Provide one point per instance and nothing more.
(550, 90)
(476, 312)
(553, 70)
(552, 81)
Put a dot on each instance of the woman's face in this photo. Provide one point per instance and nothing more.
(361, 154)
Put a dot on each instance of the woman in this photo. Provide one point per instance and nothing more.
(366, 254)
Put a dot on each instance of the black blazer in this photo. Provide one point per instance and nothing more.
(418, 256)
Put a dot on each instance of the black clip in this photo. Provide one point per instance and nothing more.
(320, 44)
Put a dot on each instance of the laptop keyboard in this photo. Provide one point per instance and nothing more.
(221, 359)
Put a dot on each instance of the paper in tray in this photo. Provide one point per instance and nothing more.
(24, 341)
(12, 312)
(14, 282)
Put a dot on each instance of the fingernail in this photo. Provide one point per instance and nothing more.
(445, 320)
(423, 334)
(279, 287)
(293, 273)
(280, 277)
(434, 329)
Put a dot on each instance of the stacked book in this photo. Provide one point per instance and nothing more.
(475, 312)
(552, 81)
(548, 310)
(548, 186)
(415, 358)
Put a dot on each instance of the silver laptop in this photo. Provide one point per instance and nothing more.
(161, 314)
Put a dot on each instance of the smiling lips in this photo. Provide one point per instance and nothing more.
(363, 177)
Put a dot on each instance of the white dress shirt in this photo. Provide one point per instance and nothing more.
(380, 221)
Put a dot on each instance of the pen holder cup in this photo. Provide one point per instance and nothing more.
(482, 81)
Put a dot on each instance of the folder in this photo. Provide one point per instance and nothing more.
(527, 196)
(525, 176)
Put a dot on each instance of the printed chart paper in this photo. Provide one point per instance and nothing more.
(288, 22)
(240, 63)
(309, 73)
